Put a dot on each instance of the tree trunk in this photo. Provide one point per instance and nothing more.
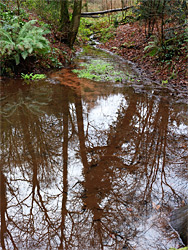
(163, 22)
(75, 22)
(69, 29)
(122, 5)
(65, 20)
(86, 5)
(18, 5)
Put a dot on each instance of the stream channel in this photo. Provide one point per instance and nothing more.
(91, 164)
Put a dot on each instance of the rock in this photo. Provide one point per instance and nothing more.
(179, 221)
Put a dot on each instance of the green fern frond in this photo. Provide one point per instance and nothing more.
(17, 58)
(26, 28)
(24, 54)
(23, 41)
(5, 36)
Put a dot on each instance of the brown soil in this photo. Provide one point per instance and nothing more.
(130, 41)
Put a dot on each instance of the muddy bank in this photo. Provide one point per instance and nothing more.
(130, 41)
(140, 78)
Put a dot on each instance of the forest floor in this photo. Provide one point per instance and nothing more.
(130, 41)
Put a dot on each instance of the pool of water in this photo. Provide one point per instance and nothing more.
(91, 165)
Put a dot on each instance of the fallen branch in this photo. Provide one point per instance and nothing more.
(84, 14)
(90, 16)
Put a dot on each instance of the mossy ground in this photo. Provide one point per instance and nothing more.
(101, 70)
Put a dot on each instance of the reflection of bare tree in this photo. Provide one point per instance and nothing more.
(123, 170)
(65, 173)
(28, 150)
(3, 208)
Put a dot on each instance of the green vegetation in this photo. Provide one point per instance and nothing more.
(102, 28)
(48, 10)
(22, 40)
(64, 15)
(166, 24)
(99, 70)
(184, 248)
(175, 46)
(8, 10)
(164, 82)
(163, 15)
(33, 76)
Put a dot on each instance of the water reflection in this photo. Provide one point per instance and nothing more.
(87, 170)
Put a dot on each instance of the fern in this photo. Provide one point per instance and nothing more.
(6, 43)
(23, 41)
(27, 28)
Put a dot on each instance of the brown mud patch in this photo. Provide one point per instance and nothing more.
(67, 78)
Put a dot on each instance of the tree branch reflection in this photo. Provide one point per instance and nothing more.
(69, 182)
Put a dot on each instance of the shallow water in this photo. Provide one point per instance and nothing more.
(91, 165)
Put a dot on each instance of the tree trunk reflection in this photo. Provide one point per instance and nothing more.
(72, 181)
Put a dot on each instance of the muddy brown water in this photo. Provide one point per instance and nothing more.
(91, 165)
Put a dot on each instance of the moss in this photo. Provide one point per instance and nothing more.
(100, 70)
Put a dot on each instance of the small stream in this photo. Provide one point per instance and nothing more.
(91, 165)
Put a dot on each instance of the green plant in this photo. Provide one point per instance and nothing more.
(53, 57)
(100, 27)
(3, 6)
(87, 75)
(22, 41)
(153, 47)
(8, 15)
(48, 10)
(33, 76)
(85, 29)
(161, 14)
(184, 248)
(99, 70)
(164, 82)
(172, 46)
